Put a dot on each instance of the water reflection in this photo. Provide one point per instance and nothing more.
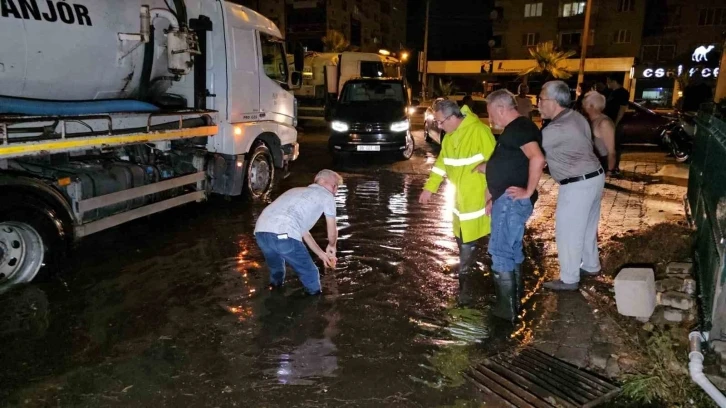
(311, 360)
(190, 304)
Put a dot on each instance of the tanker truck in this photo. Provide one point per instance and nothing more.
(324, 75)
(115, 110)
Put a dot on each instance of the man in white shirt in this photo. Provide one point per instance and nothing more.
(285, 224)
(524, 104)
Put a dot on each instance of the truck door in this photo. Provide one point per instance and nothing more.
(244, 81)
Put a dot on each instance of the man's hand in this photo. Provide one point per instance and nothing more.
(329, 261)
(488, 208)
(481, 168)
(518, 193)
(425, 197)
(331, 250)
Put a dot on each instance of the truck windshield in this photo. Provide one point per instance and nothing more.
(361, 92)
(371, 69)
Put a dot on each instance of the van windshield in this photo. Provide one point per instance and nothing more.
(364, 92)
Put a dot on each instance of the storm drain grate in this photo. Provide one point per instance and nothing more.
(532, 378)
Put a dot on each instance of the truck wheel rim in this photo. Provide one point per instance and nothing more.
(21, 253)
(260, 174)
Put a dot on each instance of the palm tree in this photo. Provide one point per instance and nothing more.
(335, 41)
(446, 88)
(549, 60)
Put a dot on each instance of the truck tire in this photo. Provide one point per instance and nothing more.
(29, 240)
(260, 172)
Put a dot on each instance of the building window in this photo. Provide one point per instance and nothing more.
(533, 10)
(530, 39)
(666, 52)
(574, 8)
(673, 16)
(658, 53)
(626, 5)
(498, 14)
(708, 17)
(569, 40)
(345, 5)
(622, 37)
(497, 41)
(385, 7)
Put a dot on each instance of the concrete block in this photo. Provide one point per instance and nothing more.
(719, 347)
(677, 315)
(599, 355)
(635, 292)
(676, 299)
(612, 369)
(676, 268)
(687, 286)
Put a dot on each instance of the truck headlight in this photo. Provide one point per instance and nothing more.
(400, 126)
(339, 126)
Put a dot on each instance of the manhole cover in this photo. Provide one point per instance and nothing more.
(532, 378)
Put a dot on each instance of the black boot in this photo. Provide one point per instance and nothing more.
(467, 256)
(506, 306)
(519, 290)
(466, 297)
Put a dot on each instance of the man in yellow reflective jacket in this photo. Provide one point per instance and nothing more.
(468, 144)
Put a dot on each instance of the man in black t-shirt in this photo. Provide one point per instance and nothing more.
(512, 174)
(615, 107)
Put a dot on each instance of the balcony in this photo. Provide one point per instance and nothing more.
(572, 22)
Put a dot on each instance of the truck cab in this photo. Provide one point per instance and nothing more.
(141, 108)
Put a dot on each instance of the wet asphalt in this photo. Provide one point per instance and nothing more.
(173, 310)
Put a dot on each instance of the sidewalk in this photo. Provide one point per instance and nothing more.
(571, 325)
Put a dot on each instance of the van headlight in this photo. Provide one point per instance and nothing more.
(401, 126)
(339, 126)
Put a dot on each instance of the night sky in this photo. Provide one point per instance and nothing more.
(458, 29)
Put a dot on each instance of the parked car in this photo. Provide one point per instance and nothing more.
(641, 125)
(372, 116)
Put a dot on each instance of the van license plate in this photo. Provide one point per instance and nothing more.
(369, 148)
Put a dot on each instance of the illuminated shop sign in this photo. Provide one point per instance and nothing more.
(667, 73)
(704, 64)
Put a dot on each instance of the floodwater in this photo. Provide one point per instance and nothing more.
(173, 310)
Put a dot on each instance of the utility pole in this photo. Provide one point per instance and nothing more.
(585, 41)
(426, 52)
(721, 82)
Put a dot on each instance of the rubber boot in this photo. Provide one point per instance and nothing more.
(466, 297)
(467, 257)
(506, 306)
(519, 290)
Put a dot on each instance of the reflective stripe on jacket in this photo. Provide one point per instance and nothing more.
(469, 145)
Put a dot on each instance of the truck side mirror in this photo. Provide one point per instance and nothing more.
(299, 58)
(296, 79)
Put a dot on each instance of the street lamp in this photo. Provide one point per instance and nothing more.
(404, 56)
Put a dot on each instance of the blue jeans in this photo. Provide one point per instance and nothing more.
(277, 251)
(505, 243)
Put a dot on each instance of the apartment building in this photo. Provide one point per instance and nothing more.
(680, 37)
(616, 27)
(370, 26)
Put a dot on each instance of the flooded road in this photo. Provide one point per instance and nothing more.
(173, 310)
